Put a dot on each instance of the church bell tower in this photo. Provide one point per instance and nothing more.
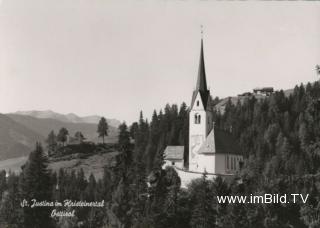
(200, 116)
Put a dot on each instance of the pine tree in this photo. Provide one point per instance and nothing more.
(203, 213)
(51, 143)
(3, 183)
(62, 135)
(79, 136)
(124, 137)
(151, 149)
(103, 128)
(35, 184)
(10, 210)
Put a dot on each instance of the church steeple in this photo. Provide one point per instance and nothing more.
(201, 86)
(201, 81)
(200, 120)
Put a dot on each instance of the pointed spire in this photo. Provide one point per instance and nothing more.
(201, 86)
(201, 81)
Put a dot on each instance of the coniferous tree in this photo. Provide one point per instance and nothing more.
(203, 213)
(10, 210)
(35, 184)
(103, 128)
(62, 135)
(124, 137)
(51, 143)
(3, 183)
(79, 136)
(133, 129)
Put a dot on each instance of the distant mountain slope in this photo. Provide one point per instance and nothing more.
(16, 139)
(220, 106)
(71, 117)
(19, 133)
(13, 164)
(43, 126)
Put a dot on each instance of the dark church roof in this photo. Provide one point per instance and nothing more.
(220, 142)
(201, 82)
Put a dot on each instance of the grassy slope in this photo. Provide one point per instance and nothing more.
(92, 164)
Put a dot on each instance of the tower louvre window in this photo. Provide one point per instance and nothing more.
(197, 103)
(197, 118)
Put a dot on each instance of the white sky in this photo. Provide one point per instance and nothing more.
(115, 58)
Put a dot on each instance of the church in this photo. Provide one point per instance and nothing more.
(211, 150)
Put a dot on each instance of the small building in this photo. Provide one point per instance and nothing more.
(266, 91)
(173, 156)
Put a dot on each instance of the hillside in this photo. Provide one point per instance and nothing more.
(13, 164)
(91, 164)
(16, 139)
(220, 106)
(19, 133)
(70, 118)
(43, 126)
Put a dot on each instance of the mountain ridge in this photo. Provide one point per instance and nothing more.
(16, 140)
(20, 132)
(69, 117)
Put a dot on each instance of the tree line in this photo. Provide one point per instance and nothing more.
(56, 141)
(279, 136)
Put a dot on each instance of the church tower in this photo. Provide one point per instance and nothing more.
(200, 116)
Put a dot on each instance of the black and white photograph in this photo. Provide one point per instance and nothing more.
(159, 114)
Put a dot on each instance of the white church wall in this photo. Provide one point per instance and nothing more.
(179, 164)
(198, 105)
(197, 134)
(187, 176)
(206, 163)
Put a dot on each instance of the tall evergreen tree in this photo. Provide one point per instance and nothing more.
(203, 213)
(62, 135)
(124, 137)
(79, 136)
(51, 143)
(103, 128)
(3, 182)
(10, 210)
(36, 185)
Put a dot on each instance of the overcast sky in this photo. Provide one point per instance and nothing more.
(115, 58)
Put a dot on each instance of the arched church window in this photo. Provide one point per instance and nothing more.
(199, 119)
(197, 103)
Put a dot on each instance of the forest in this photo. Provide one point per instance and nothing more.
(280, 140)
